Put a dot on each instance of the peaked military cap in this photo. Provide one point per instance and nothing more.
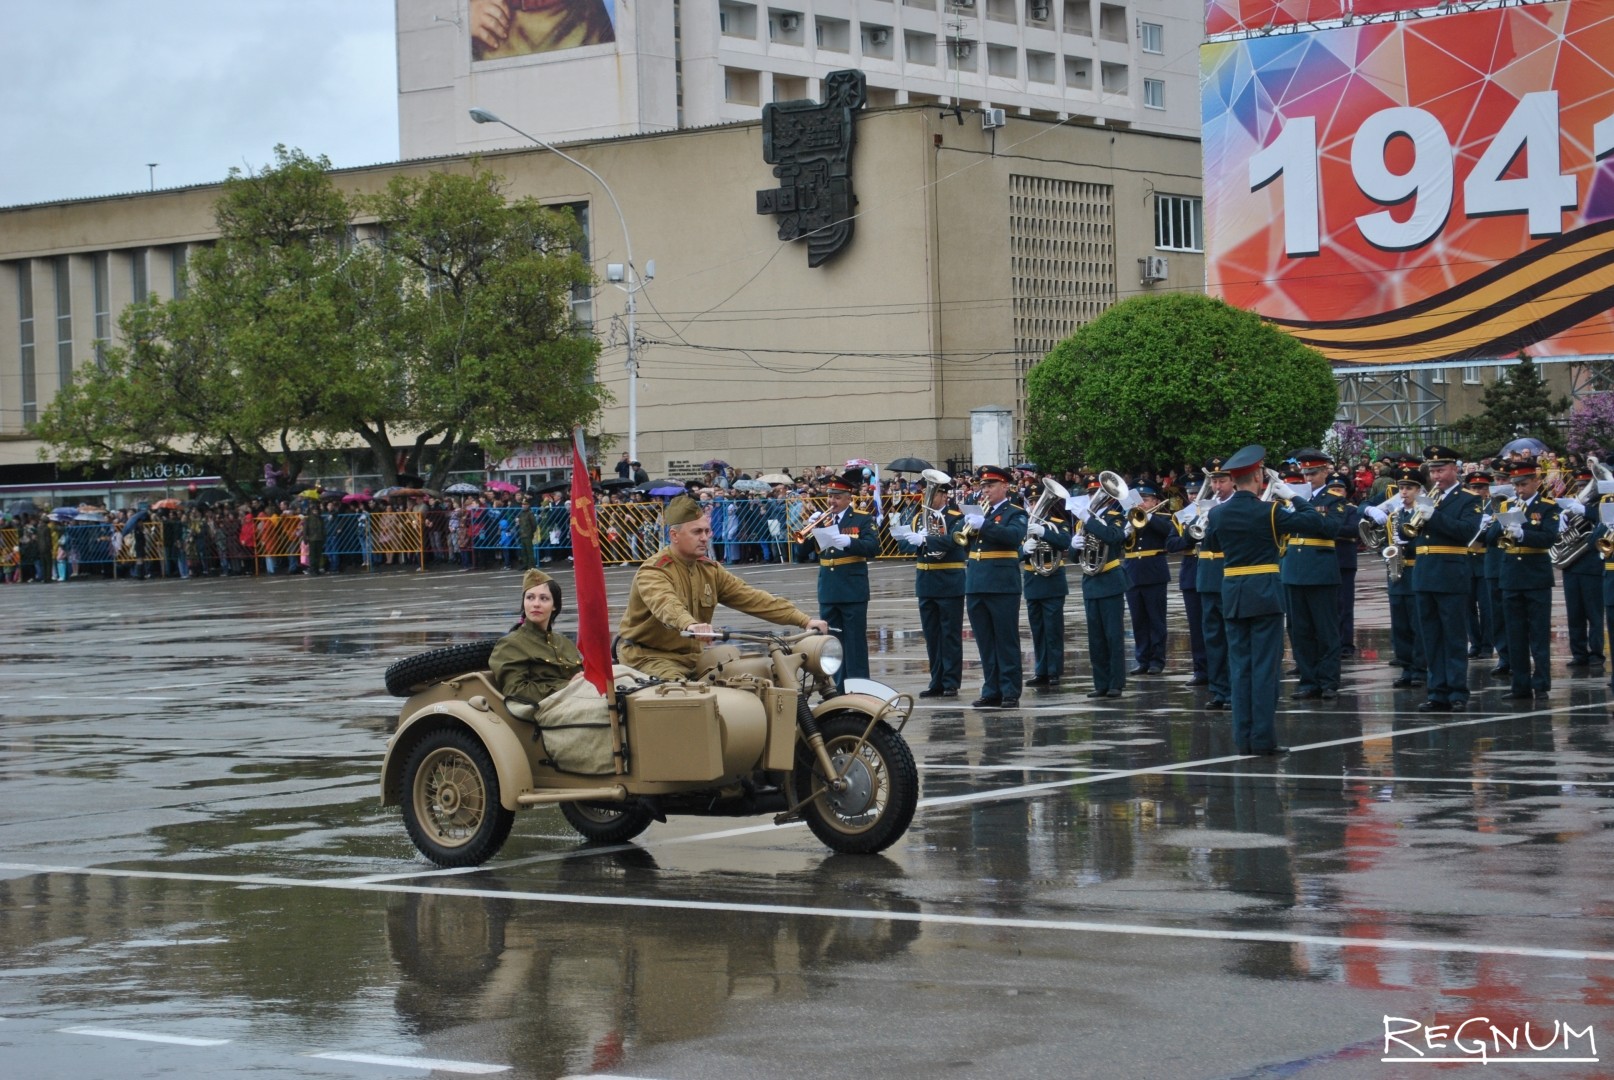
(1311, 458)
(1435, 454)
(988, 473)
(1247, 460)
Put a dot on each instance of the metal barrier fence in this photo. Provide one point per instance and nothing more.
(743, 530)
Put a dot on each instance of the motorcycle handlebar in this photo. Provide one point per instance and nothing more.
(729, 634)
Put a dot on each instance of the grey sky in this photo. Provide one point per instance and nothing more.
(92, 90)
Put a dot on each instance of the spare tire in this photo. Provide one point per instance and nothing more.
(414, 673)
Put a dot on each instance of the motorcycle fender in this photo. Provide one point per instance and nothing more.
(503, 744)
(867, 704)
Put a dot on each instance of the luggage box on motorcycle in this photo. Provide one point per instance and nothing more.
(780, 703)
(673, 734)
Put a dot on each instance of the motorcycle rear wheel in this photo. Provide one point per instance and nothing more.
(882, 788)
(607, 823)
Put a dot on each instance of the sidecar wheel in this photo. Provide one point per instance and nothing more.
(607, 823)
(882, 788)
(451, 809)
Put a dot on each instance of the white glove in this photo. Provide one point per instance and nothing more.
(1084, 515)
(975, 521)
(1281, 490)
(1029, 547)
(1485, 522)
(1128, 530)
(840, 541)
(1078, 541)
(1036, 528)
(917, 539)
(1515, 532)
(1379, 516)
(1574, 506)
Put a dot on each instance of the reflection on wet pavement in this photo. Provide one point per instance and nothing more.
(192, 849)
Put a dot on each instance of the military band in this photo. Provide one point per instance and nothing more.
(1101, 538)
(992, 537)
(1525, 528)
(1045, 584)
(1582, 575)
(1309, 571)
(1481, 633)
(1209, 567)
(939, 585)
(1345, 553)
(843, 574)
(1444, 527)
(1148, 577)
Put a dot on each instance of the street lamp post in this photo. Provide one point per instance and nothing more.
(631, 285)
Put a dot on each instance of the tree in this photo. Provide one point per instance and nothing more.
(1591, 428)
(456, 332)
(1159, 380)
(1517, 404)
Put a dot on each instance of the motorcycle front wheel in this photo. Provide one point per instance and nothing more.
(877, 802)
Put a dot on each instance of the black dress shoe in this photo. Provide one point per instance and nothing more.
(1097, 693)
(1485, 654)
(1291, 673)
(1037, 680)
(1272, 751)
(1009, 703)
(1473, 654)
(1330, 695)
(1501, 669)
(1542, 695)
(1417, 682)
(1305, 695)
(932, 692)
(1459, 706)
(949, 693)
(1155, 669)
(1435, 706)
(1139, 670)
(1117, 693)
(986, 703)
(1403, 682)
(1578, 663)
(1199, 680)
(1347, 651)
(1520, 695)
(1243, 751)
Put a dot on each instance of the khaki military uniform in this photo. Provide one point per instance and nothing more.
(531, 664)
(670, 593)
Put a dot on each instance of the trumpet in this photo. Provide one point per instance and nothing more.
(805, 533)
(1202, 508)
(1605, 545)
(1422, 508)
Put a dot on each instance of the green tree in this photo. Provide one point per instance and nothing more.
(1159, 380)
(454, 334)
(1516, 405)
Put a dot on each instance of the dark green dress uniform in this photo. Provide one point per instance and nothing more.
(1406, 642)
(843, 591)
(1309, 572)
(1148, 576)
(1188, 583)
(1583, 597)
(1441, 588)
(1209, 582)
(1493, 585)
(1045, 600)
(1478, 607)
(1527, 593)
(1347, 539)
(1103, 600)
(1607, 563)
(939, 586)
(1247, 530)
(992, 594)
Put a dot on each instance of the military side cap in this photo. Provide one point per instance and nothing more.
(1412, 474)
(1435, 454)
(1311, 458)
(1247, 460)
(847, 482)
(681, 510)
(1215, 467)
(989, 473)
(532, 578)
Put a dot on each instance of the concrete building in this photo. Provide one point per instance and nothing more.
(695, 63)
(974, 253)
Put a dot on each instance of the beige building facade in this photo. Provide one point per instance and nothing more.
(973, 254)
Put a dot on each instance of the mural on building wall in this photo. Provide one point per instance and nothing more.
(500, 29)
(1426, 189)
(810, 147)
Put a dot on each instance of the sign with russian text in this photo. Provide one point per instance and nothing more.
(1432, 189)
(538, 457)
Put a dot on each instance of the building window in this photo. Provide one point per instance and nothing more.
(179, 270)
(103, 307)
(64, 322)
(137, 276)
(25, 322)
(1154, 93)
(1471, 376)
(1152, 37)
(1438, 375)
(1179, 223)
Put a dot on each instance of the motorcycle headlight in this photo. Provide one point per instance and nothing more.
(830, 656)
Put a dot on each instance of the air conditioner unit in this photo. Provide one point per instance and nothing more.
(992, 118)
(962, 48)
(1153, 267)
(789, 24)
(1039, 12)
(963, 3)
(879, 38)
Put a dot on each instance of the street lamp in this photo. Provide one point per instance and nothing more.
(631, 284)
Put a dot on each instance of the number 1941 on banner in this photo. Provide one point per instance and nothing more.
(1530, 137)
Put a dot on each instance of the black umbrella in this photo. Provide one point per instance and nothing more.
(908, 464)
(615, 483)
(563, 484)
(23, 506)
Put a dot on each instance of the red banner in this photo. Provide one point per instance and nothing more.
(588, 572)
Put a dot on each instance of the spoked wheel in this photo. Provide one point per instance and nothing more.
(607, 823)
(876, 803)
(452, 811)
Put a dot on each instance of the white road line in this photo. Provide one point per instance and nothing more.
(474, 1068)
(1344, 777)
(989, 922)
(142, 1036)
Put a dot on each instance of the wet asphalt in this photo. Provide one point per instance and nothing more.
(197, 878)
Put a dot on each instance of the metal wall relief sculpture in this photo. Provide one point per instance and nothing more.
(810, 147)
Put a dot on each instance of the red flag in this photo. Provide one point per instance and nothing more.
(588, 573)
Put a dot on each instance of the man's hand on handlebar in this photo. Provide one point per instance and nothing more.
(818, 626)
(702, 630)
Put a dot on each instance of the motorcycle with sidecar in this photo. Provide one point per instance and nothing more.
(739, 739)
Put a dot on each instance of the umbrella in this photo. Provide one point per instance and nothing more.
(308, 493)
(662, 487)
(714, 465)
(751, 485)
(165, 504)
(503, 485)
(209, 496)
(775, 478)
(63, 513)
(1526, 446)
(462, 488)
(907, 464)
(23, 506)
(615, 483)
(358, 497)
(547, 486)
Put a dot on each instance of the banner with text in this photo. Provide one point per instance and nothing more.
(1435, 189)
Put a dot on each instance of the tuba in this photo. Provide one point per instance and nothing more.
(934, 522)
(1111, 489)
(1047, 560)
(1575, 532)
(1375, 537)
